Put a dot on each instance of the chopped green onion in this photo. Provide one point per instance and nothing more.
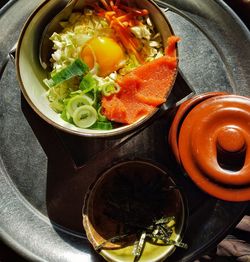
(77, 68)
(74, 93)
(101, 117)
(48, 82)
(66, 117)
(77, 101)
(102, 125)
(85, 116)
(88, 83)
(79, 105)
(109, 89)
(57, 106)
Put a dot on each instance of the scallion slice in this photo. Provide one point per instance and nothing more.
(102, 125)
(76, 102)
(110, 88)
(84, 116)
(88, 83)
(77, 68)
(101, 117)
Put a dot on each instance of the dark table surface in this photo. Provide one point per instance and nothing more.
(242, 9)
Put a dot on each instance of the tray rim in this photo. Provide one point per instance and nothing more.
(30, 255)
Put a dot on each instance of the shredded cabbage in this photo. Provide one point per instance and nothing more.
(71, 98)
(77, 31)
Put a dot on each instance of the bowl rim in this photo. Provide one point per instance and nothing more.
(123, 130)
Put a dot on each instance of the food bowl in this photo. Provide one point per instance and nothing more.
(31, 74)
(131, 196)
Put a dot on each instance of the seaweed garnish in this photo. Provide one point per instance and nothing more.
(111, 240)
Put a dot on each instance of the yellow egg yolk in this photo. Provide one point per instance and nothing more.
(106, 52)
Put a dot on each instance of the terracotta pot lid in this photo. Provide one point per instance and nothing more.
(180, 115)
(214, 146)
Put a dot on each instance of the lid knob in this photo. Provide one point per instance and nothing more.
(231, 139)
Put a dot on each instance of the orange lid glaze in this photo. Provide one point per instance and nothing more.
(214, 145)
(180, 115)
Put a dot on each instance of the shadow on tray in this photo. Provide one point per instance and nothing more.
(75, 162)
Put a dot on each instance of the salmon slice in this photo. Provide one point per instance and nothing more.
(144, 88)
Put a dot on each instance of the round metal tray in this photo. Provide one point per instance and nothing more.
(44, 173)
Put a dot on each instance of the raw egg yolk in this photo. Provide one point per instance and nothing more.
(106, 52)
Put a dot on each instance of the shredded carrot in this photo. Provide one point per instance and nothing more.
(124, 17)
(129, 9)
(117, 2)
(121, 18)
(105, 5)
(128, 40)
(125, 24)
(112, 5)
(108, 15)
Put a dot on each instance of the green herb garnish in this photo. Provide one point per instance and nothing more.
(77, 68)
